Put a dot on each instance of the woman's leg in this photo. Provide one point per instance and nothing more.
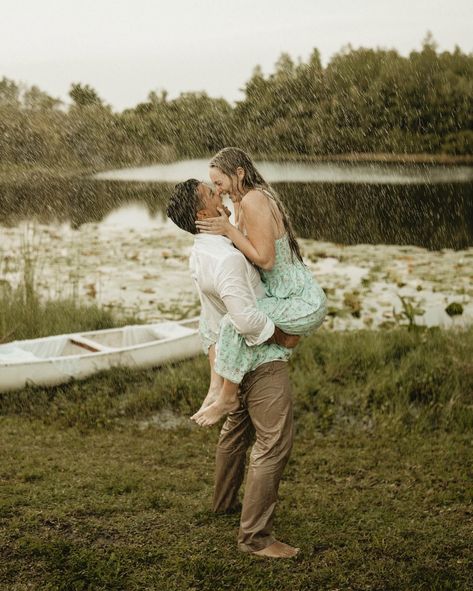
(233, 359)
(216, 381)
(226, 402)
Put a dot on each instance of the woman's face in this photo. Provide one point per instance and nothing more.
(223, 183)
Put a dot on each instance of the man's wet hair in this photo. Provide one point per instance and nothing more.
(184, 204)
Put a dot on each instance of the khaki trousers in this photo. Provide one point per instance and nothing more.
(265, 412)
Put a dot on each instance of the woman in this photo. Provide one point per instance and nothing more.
(263, 233)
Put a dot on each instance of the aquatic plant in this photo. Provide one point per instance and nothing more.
(410, 309)
(454, 309)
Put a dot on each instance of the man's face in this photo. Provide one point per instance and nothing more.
(210, 200)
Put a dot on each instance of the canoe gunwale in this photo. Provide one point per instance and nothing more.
(110, 351)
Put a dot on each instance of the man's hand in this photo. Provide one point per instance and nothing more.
(283, 339)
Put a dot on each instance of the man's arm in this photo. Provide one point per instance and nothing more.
(209, 319)
(235, 289)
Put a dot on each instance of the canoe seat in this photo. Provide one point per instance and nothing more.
(89, 345)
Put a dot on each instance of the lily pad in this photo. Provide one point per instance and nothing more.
(454, 309)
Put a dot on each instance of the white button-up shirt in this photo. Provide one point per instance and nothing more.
(227, 283)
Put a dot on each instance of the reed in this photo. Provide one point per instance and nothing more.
(25, 315)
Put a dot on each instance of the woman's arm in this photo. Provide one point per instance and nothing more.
(258, 244)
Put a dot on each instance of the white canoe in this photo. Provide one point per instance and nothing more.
(58, 359)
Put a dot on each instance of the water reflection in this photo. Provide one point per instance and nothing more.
(135, 215)
(78, 201)
(435, 216)
(432, 216)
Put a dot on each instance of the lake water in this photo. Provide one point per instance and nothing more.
(107, 239)
(347, 203)
(298, 172)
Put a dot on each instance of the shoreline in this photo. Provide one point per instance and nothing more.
(367, 157)
(21, 173)
(143, 270)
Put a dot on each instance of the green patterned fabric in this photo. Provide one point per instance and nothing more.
(294, 301)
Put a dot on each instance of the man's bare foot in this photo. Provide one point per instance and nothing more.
(277, 550)
(212, 414)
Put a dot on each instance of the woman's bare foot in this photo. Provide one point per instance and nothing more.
(207, 417)
(277, 550)
(211, 397)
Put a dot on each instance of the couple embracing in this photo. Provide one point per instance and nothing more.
(257, 299)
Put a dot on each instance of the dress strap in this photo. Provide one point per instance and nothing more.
(266, 192)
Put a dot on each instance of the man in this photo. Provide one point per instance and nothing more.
(228, 284)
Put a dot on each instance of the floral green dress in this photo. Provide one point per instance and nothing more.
(294, 301)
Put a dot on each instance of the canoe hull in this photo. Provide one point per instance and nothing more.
(60, 370)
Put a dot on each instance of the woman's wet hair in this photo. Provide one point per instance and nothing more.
(184, 204)
(228, 160)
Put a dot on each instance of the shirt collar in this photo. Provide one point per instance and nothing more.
(216, 239)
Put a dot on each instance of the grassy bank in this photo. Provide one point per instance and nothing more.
(372, 157)
(17, 173)
(23, 315)
(408, 378)
(408, 381)
(107, 485)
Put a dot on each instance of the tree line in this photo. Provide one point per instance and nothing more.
(363, 101)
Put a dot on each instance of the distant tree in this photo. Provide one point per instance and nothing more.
(158, 98)
(9, 93)
(429, 43)
(84, 95)
(35, 99)
(284, 67)
(364, 100)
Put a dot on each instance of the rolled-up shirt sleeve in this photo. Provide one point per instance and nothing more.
(234, 287)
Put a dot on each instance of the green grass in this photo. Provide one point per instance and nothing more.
(130, 510)
(25, 316)
(97, 492)
(409, 381)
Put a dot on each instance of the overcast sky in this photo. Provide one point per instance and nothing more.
(125, 48)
